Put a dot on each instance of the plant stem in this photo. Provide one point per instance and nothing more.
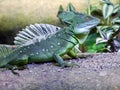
(108, 21)
(89, 7)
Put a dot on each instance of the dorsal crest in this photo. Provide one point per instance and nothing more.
(33, 33)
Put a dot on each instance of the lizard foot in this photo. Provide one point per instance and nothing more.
(69, 64)
(13, 68)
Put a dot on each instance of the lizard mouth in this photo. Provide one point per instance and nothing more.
(85, 27)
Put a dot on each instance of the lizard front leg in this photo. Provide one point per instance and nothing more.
(60, 61)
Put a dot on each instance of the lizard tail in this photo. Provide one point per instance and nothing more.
(6, 55)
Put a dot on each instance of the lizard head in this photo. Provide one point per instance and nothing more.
(80, 22)
(74, 18)
(82, 28)
(83, 23)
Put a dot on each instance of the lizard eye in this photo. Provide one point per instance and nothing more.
(87, 18)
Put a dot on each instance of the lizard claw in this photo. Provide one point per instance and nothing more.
(67, 64)
(13, 68)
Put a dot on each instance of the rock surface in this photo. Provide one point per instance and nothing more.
(97, 72)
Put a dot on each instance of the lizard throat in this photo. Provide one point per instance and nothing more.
(74, 40)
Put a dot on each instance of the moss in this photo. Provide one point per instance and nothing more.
(20, 21)
(11, 22)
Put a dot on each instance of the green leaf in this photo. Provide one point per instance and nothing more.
(99, 47)
(90, 41)
(93, 8)
(107, 10)
(109, 34)
(100, 40)
(101, 30)
(116, 27)
(116, 20)
(105, 32)
(116, 8)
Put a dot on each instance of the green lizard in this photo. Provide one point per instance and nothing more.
(43, 42)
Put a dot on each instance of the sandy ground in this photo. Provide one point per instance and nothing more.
(96, 72)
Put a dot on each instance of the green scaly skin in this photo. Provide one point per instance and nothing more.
(54, 46)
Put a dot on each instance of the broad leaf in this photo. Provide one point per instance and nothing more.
(100, 40)
(107, 10)
(116, 20)
(116, 27)
(109, 34)
(116, 8)
(101, 29)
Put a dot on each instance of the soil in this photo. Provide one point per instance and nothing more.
(96, 72)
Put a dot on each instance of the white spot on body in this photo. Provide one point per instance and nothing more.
(46, 49)
(32, 54)
(49, 37)
(33, 44)
(51, 46)
(37, 53)
(58, 43)
(58, 34)
(43, 50)
(20, 51)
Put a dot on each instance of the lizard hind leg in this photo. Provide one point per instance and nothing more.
(62, 63)
(19, 64)
(4, 52)
(21, 61)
